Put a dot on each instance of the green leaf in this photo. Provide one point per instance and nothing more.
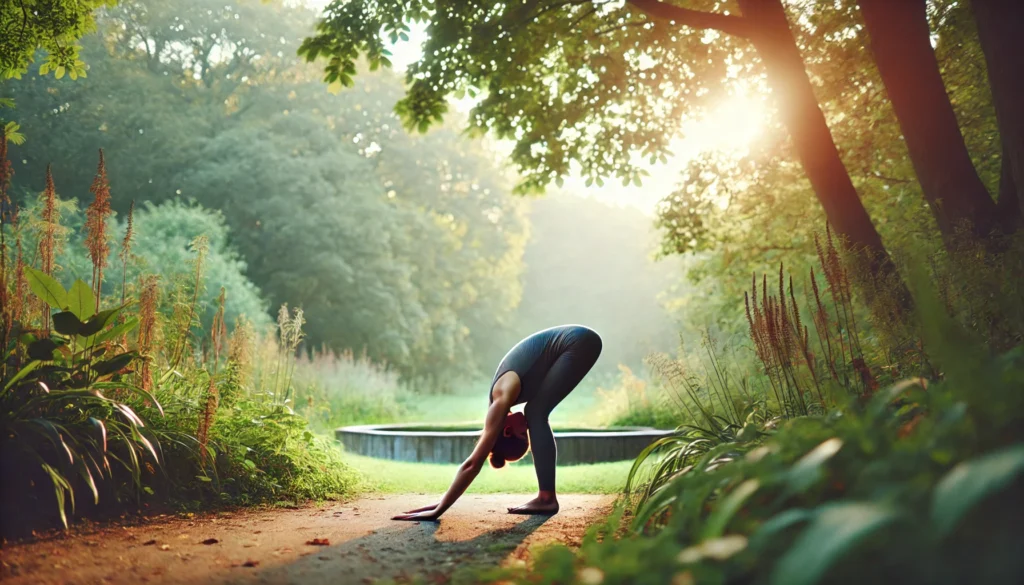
(59, 72)
(115, 332)
(769, 531)
(970, 482)
(114, 364)
(836, 529)
(808, 470)
(723, 513)
(204, 478)
(98, 321)
(42, 349)
(66, 323)
(81, 301)
(249, 464)
(46, 288)
(22, 373)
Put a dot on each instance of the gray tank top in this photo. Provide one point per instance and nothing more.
(532, 357)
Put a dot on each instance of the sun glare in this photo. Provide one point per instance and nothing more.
(730, 128)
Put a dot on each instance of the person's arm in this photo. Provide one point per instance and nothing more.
(493, 426)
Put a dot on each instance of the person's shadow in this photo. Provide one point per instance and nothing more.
(401, 552)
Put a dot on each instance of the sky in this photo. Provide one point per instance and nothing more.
(730, 128)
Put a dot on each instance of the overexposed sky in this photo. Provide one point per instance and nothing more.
(730, 128)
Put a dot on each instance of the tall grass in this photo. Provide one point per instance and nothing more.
(339, 388)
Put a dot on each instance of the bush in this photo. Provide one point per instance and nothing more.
(140, 405)
(633, 401)
(917, 482)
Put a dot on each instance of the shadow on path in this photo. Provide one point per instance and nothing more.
(399, 552)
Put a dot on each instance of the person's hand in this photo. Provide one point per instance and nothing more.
(425, 513)
(430, 514)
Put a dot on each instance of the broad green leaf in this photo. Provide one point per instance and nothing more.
(808, 470)
(81, 301)
(46, 288)
(98, 321)
(66, 323)
(768, 531)
(42, 349)
(723, 513)
(970, 482)
(835, 530)
(114, 364)
(115, 332)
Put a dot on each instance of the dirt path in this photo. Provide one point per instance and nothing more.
(271, 546)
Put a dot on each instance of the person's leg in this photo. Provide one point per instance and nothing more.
(565, 374)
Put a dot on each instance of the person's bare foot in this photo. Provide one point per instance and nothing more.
(538, 505)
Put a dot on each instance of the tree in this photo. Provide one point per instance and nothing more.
(607, 83)
(901, 45)
(999, 27)
(54, 26)
(407, 246)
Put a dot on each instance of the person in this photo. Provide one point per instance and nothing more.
(540, 371)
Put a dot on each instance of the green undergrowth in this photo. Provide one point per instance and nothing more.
(917, 482)
(400, 477)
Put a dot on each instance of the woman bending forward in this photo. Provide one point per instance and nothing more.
(540, 370)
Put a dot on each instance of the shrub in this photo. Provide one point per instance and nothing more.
(139, 406)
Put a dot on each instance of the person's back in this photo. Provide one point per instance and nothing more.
(533, 357)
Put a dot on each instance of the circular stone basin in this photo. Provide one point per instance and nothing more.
(452, 443)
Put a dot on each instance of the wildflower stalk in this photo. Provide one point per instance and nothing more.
(96, 227)
(126, 250)
(47, 231)
(148, 300)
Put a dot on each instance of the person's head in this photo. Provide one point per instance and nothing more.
(513, 443)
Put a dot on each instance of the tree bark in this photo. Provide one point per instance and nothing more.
(901, 45)
(1001, 31)
(809, 131)
(1009, 204)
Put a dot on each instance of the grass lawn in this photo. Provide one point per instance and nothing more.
(399, 477)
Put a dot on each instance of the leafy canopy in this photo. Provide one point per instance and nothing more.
(578, 82)
(54, 26)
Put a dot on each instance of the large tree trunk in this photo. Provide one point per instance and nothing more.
(901, 45)
(1001, 31)
(809, 131)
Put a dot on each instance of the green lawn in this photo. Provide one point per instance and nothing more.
(399, 477)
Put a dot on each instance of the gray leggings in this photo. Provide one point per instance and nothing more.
(565, 373)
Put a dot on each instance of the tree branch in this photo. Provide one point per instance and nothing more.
(728, 24)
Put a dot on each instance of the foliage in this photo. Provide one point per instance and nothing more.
(862, 494)
(633, 401)
(84, 391)
(336, 389)
(52, 26)
(229, 117)
(64, 408)
(604, 87)
(160, 247)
